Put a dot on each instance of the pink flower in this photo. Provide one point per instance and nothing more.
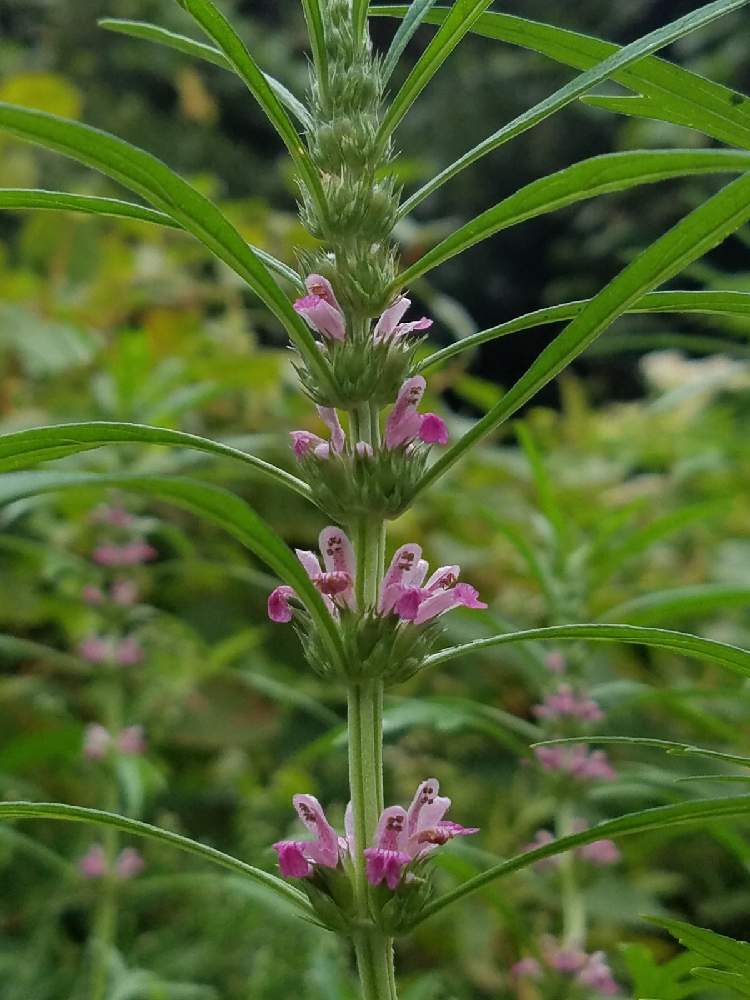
(306, 443)
(601, 852)
(93, 864)
(96, 742)
(335, 581)
(597, 974)
(110, 514)
(320, 308)
(95, 649)
(576, 760)
(129, 863)
(541, 839)
(565, 703)
(297, 857)
(403, 836)
(124, 592)
(390, 327)
(566, 959)
(405, 424)
(128, 652)
(132, 741)
(130, 554)
(555, 662)
(526, 968)
(402, 590)
(92, 594)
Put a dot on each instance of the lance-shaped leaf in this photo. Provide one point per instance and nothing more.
(17, 199)
(668, 746)
(462, 16)
(414, 16)
(78, 814)
(709, 945)
(211, 502)
(719, 303)
(218, 28)
(693, 646)
(692, 237)
(165, 190)
(181, 43)
(43, 444)
(611, 62)
(317, 35)
(588, 179)
(659, 818)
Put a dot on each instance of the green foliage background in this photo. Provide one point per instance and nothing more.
(626, 487)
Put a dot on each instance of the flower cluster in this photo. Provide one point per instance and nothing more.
(565, 703)
(403, 840)
(95, 865)
(590, 971)
(98, 742)
(576, 760)
(368, 361)
(405, 593)
(600, 853)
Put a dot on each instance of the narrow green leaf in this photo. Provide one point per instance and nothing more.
(642, 107)
(459, 21)
(317, 35)
(671, 748)
(718, 303)
(217, 505)
(359, 17)
(415, 14)
(167, 191)
(659, 818)
(690, 602)
(714, 947)
(24, 198)
(700, 231)
(692, 646)
(739, 984)
(588, 179)
(606, 61)
(43, 444)
(78, 814)
(181, 43)
(218, 28)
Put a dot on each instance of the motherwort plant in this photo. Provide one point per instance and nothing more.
(369, 617)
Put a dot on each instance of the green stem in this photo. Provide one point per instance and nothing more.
(105, 915)
(573, 905)
(374, 951)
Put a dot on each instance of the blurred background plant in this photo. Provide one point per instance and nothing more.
(620, 496)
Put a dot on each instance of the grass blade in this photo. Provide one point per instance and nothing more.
(210, 502)
(720, 303)
(26, 198)
(218, 28)
(43, 444)
(416, 13)
(199, 50)
(672, 749)
(692, 237)
(607, 66)
(692, 646)
(462, 16)
(78, 814)
(167, 191)
(590, 178)
(659, 818)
